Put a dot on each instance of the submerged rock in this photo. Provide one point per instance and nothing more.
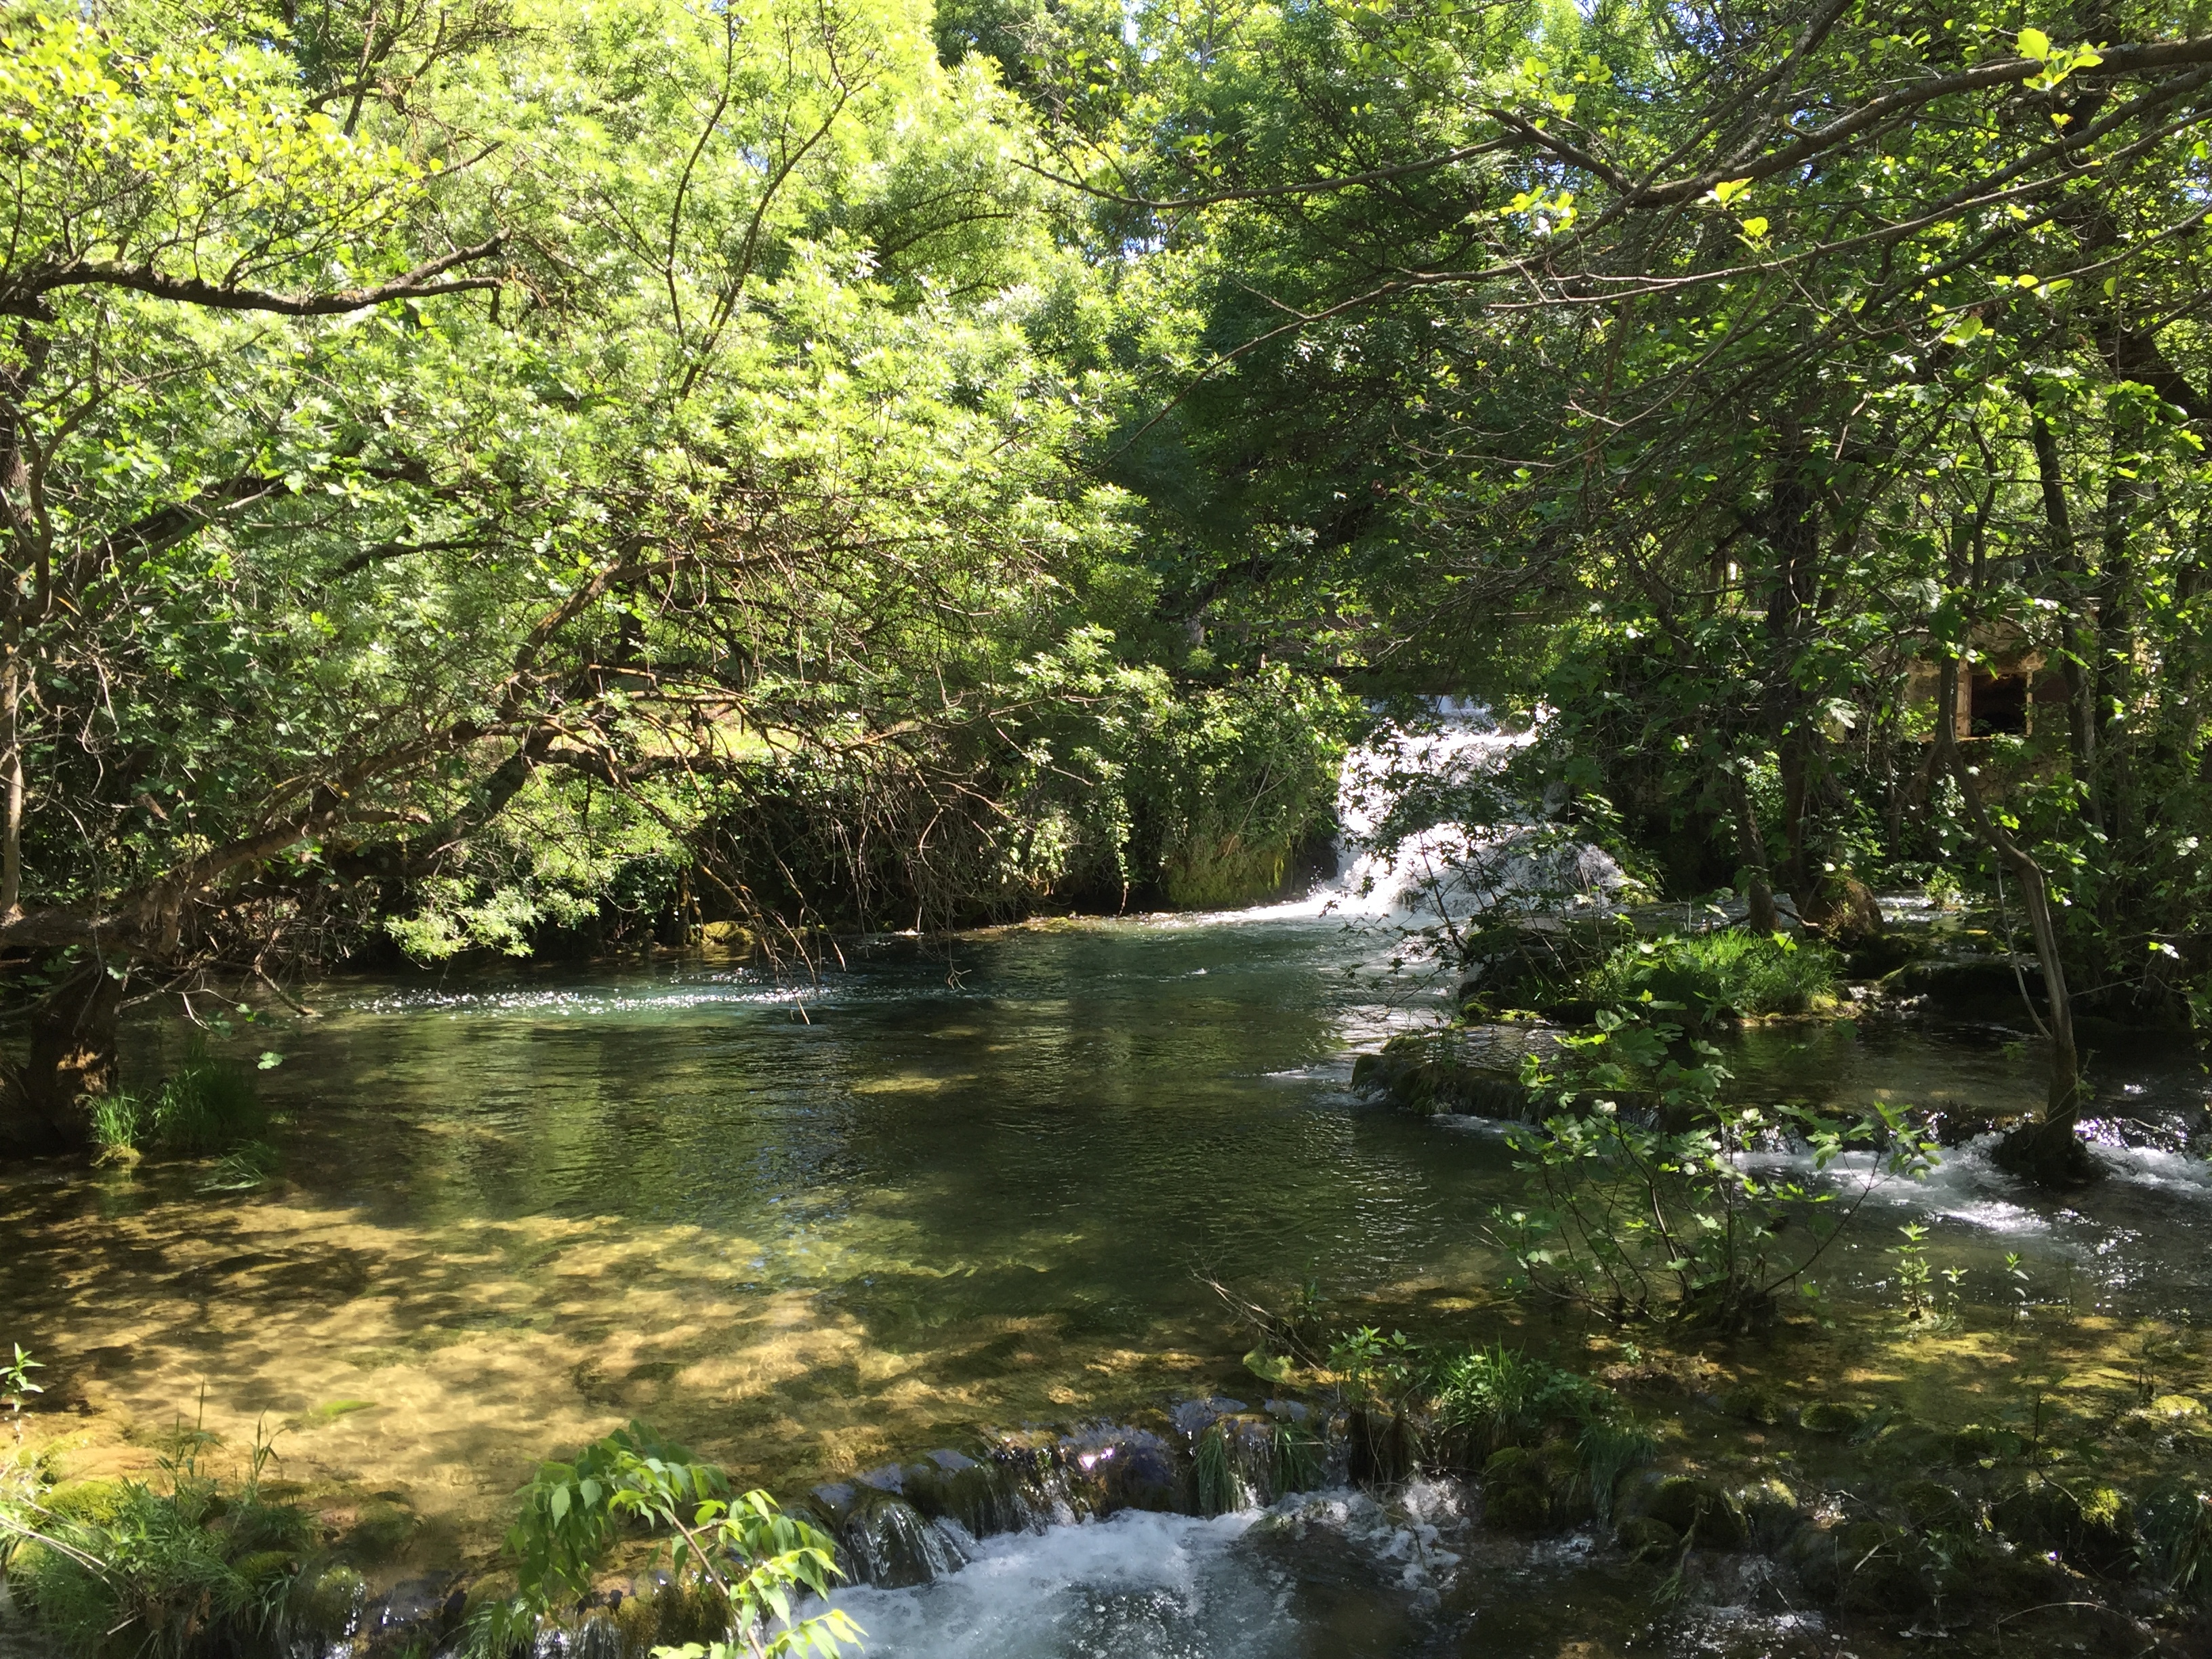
(1699, 1510)
(2092, 1526)
(1832, 1417)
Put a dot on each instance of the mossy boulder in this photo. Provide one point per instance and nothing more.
(1515, 1509)
(1754, 1402)
(1443, 1073)
(94, 1502)
(1648, 1539)
(1832, 1417)
(380, 1532)
(2092, 1526)
(2168, 1414)
(1983, 1443)
(1770, 1511)
(1700, 1511)
(1518, 1489)
(1931, 1506)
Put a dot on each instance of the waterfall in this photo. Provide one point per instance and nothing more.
(1430, 834)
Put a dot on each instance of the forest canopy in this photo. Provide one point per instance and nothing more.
(487, 476)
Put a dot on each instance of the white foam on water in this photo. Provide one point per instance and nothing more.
(1137, 1586)
(1142, 1586)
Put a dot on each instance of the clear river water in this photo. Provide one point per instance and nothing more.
(946, 1188)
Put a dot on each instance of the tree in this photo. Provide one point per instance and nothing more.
(651, 413)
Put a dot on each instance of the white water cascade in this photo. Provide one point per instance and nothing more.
(1394, 867)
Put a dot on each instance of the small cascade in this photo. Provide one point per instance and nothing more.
(1410, 853)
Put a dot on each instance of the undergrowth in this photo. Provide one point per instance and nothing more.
(190, 1567)
(1712, 974)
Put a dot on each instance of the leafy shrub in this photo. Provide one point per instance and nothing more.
(735, 1564)
(1709, 974)
(1635, 1220)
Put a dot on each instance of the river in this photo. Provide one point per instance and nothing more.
(811, 1226)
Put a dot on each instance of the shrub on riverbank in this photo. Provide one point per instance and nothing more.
(1719, 973)
(736, 1566)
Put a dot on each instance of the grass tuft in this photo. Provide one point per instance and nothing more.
(1216, 1471)
(207, 1105)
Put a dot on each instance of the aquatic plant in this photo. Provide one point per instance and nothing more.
(1713, 974)
(207, 1105)
(2173, 1542)
(15, 1382)
(242, 1169)
(199, 1569)
(1669, 1218)
(118, 1127)
(1375, 1370)
(1913, 1274)
(1495, 1398)
(735, 1563)
(1215, 1471)
(1499, 1396)
(1295, 1462)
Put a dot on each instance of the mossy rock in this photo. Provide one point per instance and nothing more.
(1508, 1465)
(1753, 1402)
(2008, 1581)
(1516, 1509)
(1983, 1443)
(1832, 1417)
(95, 1503)
(2092, 1526)
(1647, 1539)
(2170, 1413)
(379, 1533)
(327, 1604)
(1700, 1511)
(1770, 1511)
(1934, 1507)
(1883, 1585)
(1913, 1444)
(1437, 1074)
(1815, 1553)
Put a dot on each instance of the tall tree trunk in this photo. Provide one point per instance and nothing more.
(1795, 535)
(2047, 1150)
(45, 1105)
(2127, 501)
(11, 775)
(1751, 848)
(2077, 649)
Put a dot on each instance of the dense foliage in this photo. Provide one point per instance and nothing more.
(483, 474)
